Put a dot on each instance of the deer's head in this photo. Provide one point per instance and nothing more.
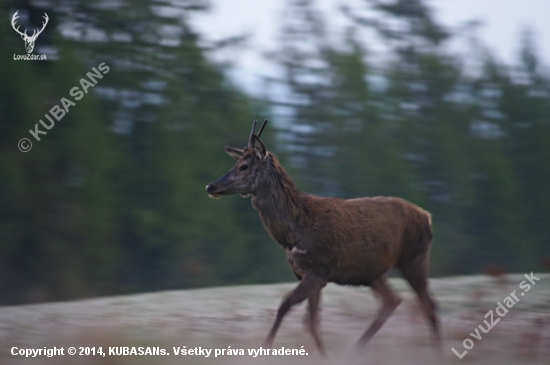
(29, 40)
(246, 174)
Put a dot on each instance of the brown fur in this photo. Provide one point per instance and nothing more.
(351, 242)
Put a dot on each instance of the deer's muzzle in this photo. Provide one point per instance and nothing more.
(213, 191)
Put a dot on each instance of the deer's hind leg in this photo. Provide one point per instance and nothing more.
(416, 274)
(390, 301)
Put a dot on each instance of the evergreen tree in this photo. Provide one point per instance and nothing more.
(112, 199)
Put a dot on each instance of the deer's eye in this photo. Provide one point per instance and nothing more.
(243, 167)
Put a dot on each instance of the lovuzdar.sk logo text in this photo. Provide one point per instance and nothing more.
(29, 40)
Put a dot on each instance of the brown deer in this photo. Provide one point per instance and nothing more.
(348, 242)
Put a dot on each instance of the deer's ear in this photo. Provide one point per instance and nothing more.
(234, 152)
(259, 147)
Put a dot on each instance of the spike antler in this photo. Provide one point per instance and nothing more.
(262, 128)
(252, 132)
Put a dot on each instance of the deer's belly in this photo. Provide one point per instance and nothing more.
(359, 270)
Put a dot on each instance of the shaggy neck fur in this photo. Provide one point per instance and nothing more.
(281, 205)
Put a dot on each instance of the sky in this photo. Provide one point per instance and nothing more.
(503, 21)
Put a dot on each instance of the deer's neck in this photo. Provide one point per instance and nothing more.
(282, 207)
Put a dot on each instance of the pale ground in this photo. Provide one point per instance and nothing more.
(241, 316)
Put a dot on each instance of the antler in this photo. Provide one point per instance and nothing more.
(252, 132)
(24, 34)
(262, 128)
(43, 26)
(13, 19)
(250, 140)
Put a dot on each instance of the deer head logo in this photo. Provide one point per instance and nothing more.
(29, 41)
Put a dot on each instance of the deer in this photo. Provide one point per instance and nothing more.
(29, 41)
(327, 239)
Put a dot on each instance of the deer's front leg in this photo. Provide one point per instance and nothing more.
(310, 286)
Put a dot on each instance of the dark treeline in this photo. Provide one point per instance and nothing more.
(111, 199)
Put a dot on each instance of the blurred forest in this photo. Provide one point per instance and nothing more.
(112, 199)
